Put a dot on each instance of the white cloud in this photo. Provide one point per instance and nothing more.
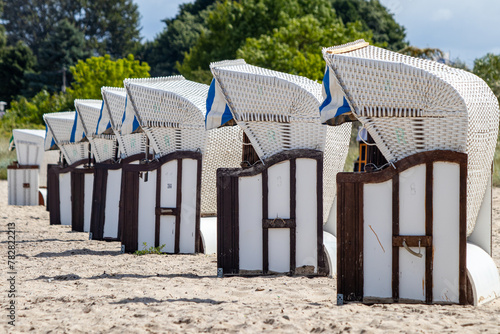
(443, 14)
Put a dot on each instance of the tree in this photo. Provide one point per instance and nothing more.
(488, 69)
(229, 23)
(180, 34)
(374, 16)
(110, 26)
(15, 61)
(296, 48)
(58, 52)
(425, 53)
(95, 72)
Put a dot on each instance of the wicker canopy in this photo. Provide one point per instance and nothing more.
(118, 111)
(278, 112)
(96, 124)
(68, 134)
(411, 105)
(171, 111)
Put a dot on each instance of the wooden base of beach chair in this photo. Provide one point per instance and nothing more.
(22, 183)
(160, 204)
(270, 218)
(82, 187)
(401, 232)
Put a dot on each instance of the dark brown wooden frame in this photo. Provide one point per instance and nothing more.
(228, 212)
(129, 207)
(350, 224)
(53, 200)
(98, 216)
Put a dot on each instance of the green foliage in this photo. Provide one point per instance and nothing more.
(229, 23)
(6, 156)
(488, 69)
(373, 16)
(60, 50)
(110, 26)
(425, 53)
(180, 34)
(296, 48)
(24, 113)
(15, 61)
(151, 250)
(95, 72)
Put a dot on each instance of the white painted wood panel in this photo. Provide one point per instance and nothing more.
(250, 222)
(169, 185)
(87, 205)
(446, 225)
(306, 214)
(146, 217)
(112, 209)
(65, 198)
(188, 206)
(279, 206)
(377, 235)
(167, 233)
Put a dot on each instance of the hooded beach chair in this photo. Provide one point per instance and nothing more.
(118, 123)
(103, 146)
(271, 214)
(403, 230)
(23, 174)
(177, 189)
(71, 182)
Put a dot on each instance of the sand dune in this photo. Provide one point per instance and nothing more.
(68, 284)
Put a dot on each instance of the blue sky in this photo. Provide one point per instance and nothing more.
(466, 29)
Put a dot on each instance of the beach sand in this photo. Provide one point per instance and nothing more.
(68, 284)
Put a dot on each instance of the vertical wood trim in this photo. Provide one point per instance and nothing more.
(341, 259)
(158, 204)
(265, 215)
(395, 232)
(178, 206)
(53, 196)
(462, 279)
(235, 222)
(198, 246)
(429, 215)
(319, 217)
(293, 214)
(77, 200)
(360, 240)
(97, 216)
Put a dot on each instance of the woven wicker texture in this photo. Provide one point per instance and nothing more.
(114, 105)
(91, 114)
(410, 105)
(279, 111)
(61, 126)
(33, 138)
(74, 152)
(224, 150)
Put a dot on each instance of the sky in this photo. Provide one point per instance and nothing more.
(466, 29)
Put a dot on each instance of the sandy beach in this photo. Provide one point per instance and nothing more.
(68, 284)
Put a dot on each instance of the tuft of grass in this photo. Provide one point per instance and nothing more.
(496, 166)
(6, 157)
(150, 250)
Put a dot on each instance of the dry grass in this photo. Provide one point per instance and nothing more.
(6, 157)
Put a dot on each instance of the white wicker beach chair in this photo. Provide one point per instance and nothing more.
(171, 111)
(406, 232)
(97, 127)
(278, 114)
(411, 105)
(131, 141)
(23, 175)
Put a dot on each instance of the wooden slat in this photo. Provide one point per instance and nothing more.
(166, 211)
(178, 205)
(293, 215)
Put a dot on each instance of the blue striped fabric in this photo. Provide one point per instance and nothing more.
(335, 103)
(218, 112)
